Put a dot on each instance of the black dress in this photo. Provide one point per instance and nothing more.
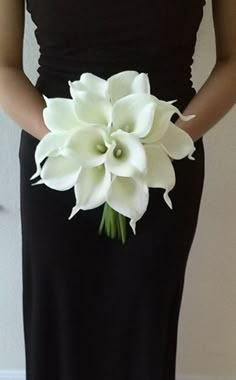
(95, 309)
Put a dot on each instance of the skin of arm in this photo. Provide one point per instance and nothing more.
(24, 104)
(18, 97)
(218, 94)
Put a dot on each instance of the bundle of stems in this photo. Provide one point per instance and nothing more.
(113, 223)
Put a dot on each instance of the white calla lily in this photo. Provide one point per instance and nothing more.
(141, 84)
(177, 143)
(90, 145)
(49, 146)
(127, 157)
(160, 171)
(127, 82)
(59, 115)
(91, 188)
(59, 173)
(134, 114)
(163, 112)
(91, 108)
(128, 196)
(89, 82)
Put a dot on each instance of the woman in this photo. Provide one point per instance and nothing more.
(94, 308)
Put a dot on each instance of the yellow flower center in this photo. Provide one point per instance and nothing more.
(101, 148)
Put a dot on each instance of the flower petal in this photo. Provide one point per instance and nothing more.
(50, 145)
(89, 145)
(141, 84)
(163, 113)
(134, 113)
(159, 127)
(60, 172)
(89, 82)
(160, 171)
(120, 84)
(129, 197)
(59, 115)
(91, 108)
(91, 188)
(177, 143)
(167, 106)
(127, 158)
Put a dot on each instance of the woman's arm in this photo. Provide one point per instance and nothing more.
(18, 97)
(218, 94)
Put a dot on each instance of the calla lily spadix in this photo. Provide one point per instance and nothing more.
(111, 142)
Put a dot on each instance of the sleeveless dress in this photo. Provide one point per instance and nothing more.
(94, 309)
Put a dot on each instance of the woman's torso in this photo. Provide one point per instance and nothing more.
(154, 36)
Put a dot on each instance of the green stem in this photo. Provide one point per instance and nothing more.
(122, 225)
(102, 220)
(114, 223)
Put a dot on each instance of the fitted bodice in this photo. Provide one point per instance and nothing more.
(153, 36)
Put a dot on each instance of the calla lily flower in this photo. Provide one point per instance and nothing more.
(177, 143)
(163, 112)
(160, 171)
(59, 115)
(93, 97)
(126, 83)
(89, 82)
(127, 158)
(51, 145)
(90, 145)
(114, 88)
(60, 172)
(134, 114)
(129, 196)
(91, 188)
(91, 108)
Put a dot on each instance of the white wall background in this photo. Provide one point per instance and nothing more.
(207, 327)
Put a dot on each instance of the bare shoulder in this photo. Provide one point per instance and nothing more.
(224, 18)
(12, 14)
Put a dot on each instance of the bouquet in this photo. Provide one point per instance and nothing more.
(111, 141)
